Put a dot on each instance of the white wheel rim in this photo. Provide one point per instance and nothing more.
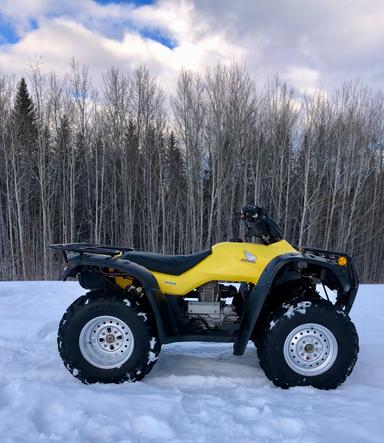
(106, 342)
(310, 349)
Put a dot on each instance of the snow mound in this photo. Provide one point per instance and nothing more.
(198, 392)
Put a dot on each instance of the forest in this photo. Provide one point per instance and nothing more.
(125, 163)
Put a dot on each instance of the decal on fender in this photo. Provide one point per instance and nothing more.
(249, 258)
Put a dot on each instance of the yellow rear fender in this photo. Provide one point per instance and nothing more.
(103, 266)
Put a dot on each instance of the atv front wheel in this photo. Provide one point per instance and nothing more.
(308, 343)
(107, 338)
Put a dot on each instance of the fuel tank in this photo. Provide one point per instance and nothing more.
(229, 261)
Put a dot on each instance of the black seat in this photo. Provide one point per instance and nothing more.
(167, 264)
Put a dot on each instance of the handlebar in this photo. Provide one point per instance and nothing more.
(259, 224)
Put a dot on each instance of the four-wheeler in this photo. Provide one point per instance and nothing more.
(234, 292)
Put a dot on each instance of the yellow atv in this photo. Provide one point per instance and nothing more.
(233, 292)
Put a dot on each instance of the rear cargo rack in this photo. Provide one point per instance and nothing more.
(89, 248)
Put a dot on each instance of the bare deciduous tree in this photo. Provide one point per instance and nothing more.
(121, 166)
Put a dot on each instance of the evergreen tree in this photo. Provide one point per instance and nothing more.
(176, 184)
(174, 165)
(25, 117)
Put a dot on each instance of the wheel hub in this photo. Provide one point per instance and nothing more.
(106, 342)
(310, 349)
(110, 338)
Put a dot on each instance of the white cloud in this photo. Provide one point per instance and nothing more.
(57, 40)
(177, 18)
(337, 39)
(302, 78)
(316, 44)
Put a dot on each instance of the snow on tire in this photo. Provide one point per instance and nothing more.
(308, 343)
(104, 337)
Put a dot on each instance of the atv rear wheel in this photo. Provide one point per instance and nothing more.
(308, 343)
(107, 338)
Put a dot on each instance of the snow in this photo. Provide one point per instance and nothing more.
(272, 324)
(144, 315)
(291, 310)
(197, 392)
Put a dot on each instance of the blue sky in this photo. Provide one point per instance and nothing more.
(7, 32)
(309, 44)
(10, 35)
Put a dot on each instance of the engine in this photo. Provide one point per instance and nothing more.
(211, 308)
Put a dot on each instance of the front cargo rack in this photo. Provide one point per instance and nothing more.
(89, 248)
(329, 255)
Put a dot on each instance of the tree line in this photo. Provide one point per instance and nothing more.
(129, 165)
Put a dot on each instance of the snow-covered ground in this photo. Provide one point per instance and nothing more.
(197, 392)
